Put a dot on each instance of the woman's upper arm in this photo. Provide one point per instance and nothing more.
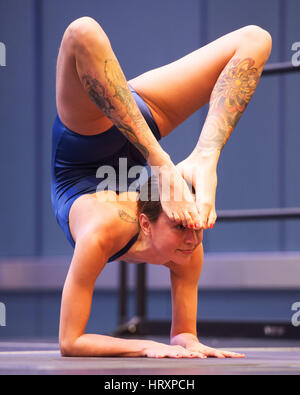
(89, 258)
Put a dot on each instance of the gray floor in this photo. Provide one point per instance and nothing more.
(270, 357)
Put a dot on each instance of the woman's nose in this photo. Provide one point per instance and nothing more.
(194, 236)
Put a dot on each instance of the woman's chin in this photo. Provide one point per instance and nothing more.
(177, 256)
(182, 256)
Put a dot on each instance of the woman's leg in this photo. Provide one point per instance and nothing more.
(225, 73)
(177, 90)
(104, 84)
(101, 92)
(75, 108)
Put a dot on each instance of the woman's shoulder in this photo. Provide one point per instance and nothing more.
(107, 218)
(119, 211)
(121, 229)
(116, 224)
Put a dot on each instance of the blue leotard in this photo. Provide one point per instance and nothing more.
(76, 158)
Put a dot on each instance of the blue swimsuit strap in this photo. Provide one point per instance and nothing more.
(124, 249)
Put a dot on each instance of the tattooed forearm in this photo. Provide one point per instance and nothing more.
(114, 99)
(230, 96)
(127, 217)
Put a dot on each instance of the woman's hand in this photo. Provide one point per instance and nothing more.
(195, 349)
(176, 199)
(202, 175)
(191, 343)
(159, 350)
(205, 351)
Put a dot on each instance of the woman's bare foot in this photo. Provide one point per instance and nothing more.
(202, 175)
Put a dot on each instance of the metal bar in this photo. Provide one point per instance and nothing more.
(280, 68)
(259, 214)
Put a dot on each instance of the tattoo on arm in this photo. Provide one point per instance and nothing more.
(114, 99)
(230, 97)
(127, 217)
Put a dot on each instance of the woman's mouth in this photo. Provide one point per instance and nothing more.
(186, 252)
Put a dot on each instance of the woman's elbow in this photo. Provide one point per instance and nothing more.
(66, 348)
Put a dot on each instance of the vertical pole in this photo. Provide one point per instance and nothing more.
(123, 292)
(141, 291)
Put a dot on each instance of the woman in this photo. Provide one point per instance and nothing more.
(104, 122)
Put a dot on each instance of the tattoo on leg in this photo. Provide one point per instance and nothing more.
(96, 92)
(118, 106)
(229, 99)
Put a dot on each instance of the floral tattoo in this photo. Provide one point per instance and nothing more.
(229, 99)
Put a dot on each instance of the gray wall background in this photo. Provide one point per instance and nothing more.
(259, 167)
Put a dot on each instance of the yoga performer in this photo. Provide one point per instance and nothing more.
(105, 122)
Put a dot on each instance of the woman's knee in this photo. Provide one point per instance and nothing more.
(257, 35)
(85, 32)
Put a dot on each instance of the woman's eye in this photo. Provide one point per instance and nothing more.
(180, 227)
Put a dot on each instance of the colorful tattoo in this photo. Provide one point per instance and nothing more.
(118, 104)
(230, 96)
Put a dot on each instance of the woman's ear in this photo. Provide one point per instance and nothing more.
(145, 224)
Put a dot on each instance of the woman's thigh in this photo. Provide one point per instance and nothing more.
(175, 91)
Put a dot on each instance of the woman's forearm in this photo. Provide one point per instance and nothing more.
(92, 345)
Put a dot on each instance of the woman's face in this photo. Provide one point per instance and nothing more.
(174, 242)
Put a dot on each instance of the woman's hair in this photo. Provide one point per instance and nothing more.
(148, 200)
